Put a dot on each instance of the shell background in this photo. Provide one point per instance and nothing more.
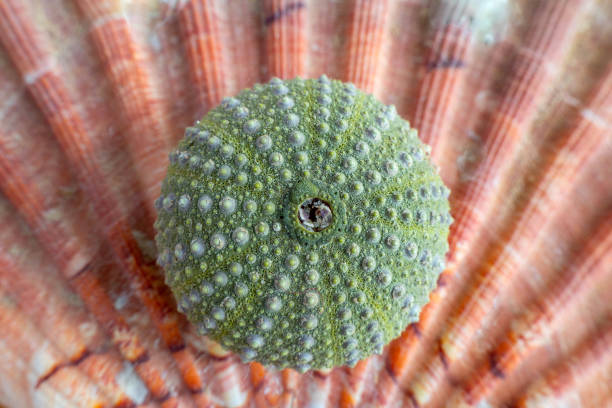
(515, 98)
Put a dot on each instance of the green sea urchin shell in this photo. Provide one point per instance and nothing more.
(301, 224)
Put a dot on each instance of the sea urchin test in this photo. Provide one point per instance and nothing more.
(301, 224)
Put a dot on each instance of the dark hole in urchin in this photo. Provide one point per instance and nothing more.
(315, 214)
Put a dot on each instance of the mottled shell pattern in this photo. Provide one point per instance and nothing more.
(248, 259)
(514, 97)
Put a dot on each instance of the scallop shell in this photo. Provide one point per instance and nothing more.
(514, 97)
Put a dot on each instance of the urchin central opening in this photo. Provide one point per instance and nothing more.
(315, 214)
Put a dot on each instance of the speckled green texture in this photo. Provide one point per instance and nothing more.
(242, 266)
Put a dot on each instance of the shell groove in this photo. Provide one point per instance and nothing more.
(514, 97)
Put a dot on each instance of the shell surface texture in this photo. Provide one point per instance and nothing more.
(296, 249)
(301, 224)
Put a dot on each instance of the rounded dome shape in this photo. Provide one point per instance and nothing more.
(301, 224)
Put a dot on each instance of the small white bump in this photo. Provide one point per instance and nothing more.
(392, 242)
(311, 299)
(323, 113)
(292, 120)
(296, 138)
(218, 313)
(206, 288)
(194, 162)
(227, 205)
(224, 172)
(204, 203)
(339, 178)
(179, 252)
(353, 250)
(405, 159)
(269, 208)
(373, 235)
(304, 357)
(184, 202)
(197, 247)
(168, 202)
(248, 354)
(344, 313)
(235, 269)
(420, 216)
(276, 159)
(350, 164)
(310, 322)
(208, 167)
(306, 341)
(373, 177)
(286, 174)
(240, 235)
(349, 344)
(264, 323)
(282, 283)
(255, 340)
(357, 187)
(249, 206)
(410, 195)
(263, 143)
(347, 329)
(251, 126)
(362, 148)
(373, 135)
(368, 263)
(209, 323)
(312, 276)
(359, 297)
(262, 229)
(323, 79)
(391, 168)
(398, 291)
(301, 158)
(191, 132)
(228, 303)
(240, 160)
(292, 262)
(323, 128)
(218, 241)
(227, 151)
(423, 193)
(229, 103)
(325, 89)
(410, 250)
(324, 100)
(384, 276)
(382, 122)
(280, 89)
(241, 289)
(220, 278)
(242, 178)
(213, 143)
(286, 102)
(274, 304)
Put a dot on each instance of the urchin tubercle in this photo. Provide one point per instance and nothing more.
(301, 224)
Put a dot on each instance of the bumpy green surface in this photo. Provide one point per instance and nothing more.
(239, 261)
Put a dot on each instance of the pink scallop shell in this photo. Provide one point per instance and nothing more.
(514, 97)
